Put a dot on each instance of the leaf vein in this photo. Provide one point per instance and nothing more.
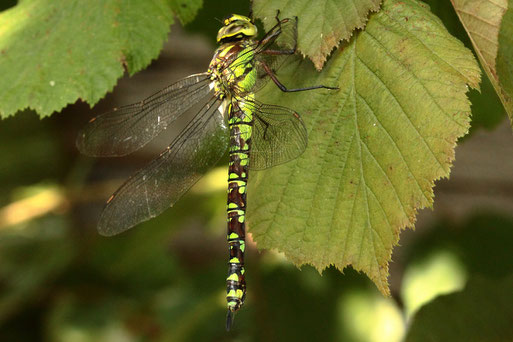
(473, 15)
(404, 112)
(400, 153)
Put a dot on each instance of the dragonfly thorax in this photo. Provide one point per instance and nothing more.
(232, 69)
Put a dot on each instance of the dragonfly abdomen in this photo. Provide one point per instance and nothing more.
(240, 124)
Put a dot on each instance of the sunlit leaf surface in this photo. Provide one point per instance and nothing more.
(487, 108)
(53, 53)
(322, 24)
(376, 145)
(490, 27)
(505, 58)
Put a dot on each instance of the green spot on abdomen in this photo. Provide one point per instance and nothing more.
(233, 277)
(235, 293)
(232, 206)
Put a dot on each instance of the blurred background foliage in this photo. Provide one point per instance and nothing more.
(163, 281)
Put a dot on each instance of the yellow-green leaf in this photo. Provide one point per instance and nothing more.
(323, 24)
(505, 58)
(489, 25)
(376, 145)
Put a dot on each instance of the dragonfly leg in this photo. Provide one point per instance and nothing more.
(280, 85)
(273, 34)
(279, 52)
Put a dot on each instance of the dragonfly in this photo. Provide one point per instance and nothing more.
(256, 135)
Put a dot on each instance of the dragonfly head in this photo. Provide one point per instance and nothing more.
(236, 27)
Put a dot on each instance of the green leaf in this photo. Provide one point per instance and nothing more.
(186, 10)
(322, 26)
(487, 108)
(481, 312)
(490, 31)
(505, 58)
(53, 53)
(375, 148)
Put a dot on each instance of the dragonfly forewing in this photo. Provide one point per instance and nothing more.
(159, 185)
(128, 128)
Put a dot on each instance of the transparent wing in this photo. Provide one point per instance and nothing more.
(159, 185)
(279, 135)
(128, 128)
